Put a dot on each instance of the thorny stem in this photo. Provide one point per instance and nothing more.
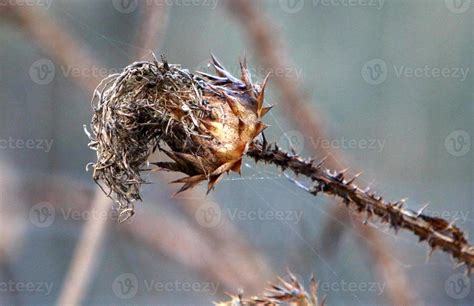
(439, 233)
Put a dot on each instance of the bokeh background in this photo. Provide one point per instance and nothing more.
(383, 87)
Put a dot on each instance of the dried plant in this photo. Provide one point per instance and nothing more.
(203, 123)
(289, 292)
(207, 124)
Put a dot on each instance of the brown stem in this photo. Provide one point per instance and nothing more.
(439, 233)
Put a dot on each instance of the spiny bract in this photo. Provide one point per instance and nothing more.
(204, 123)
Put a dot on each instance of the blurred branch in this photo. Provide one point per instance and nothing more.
(86, 254)
(152, 29)
(296, 108)
(62, 47)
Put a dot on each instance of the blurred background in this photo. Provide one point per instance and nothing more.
(383, 87)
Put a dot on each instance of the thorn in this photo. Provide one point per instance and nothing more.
(354, 178)
(220, 70)
(420, 211)
(212, 77)
(261, 95)
(189, 182)
(264, 142)
(339, 177)
(234, 104)
(265, 110)
(320, 164)
(259, 127)
(237, 166)
(245, 74)
(451, 224)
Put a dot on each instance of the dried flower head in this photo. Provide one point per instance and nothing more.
(203, 123)
(289, 292)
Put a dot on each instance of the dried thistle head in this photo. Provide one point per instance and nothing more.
(203, 123)
(289, 292)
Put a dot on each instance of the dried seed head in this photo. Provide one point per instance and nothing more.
(203, 123)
